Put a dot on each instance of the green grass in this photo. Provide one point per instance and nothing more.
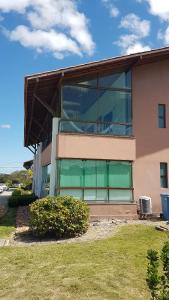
(7, 223)
(114, 268)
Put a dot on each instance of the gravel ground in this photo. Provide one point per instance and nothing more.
(97, 230)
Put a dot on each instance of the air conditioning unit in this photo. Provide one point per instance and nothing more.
(145, 205)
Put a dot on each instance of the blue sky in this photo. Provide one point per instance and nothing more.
(41, 35)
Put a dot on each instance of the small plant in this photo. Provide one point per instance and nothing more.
(158, 284)
(21, 200)
(61, 216)
(17, 192)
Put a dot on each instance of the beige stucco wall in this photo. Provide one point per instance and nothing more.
(96, 147)
(150, 88)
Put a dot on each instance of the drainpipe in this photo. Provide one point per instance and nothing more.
(53, 172)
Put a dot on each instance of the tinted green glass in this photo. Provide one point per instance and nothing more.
(101, 196)
(76, 193)
(101, 171)
(120, 174)
(90, 173)
(120, 195)
(71, 173)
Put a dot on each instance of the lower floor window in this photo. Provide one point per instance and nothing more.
(96, 180)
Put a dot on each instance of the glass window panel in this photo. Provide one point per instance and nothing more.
(101, 171)
(163, 175)
(99, 128)
(119, 174)
(120, 195)
(161, 109)
(80, 127)
(86, 104)
(76, 193)
(90, 195)
(163, 169)
(161, 116)
(163, 182)
(45, 179)
(161, 123)
(113, 129)
(90, 173)
(96, 195)
(108, 117)
(114, 105)
(116, 80)
(87, 81)
(80, 103)
(71, 173)
(102, 195)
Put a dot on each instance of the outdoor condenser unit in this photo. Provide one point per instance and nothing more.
(145, 205)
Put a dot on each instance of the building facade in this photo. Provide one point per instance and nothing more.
(100, 132)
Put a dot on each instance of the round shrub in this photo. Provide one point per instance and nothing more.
(61, 216)
(17, 192)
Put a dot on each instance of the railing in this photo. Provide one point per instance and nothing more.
(104, 128)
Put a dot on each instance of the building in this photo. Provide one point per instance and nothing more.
(100, 131)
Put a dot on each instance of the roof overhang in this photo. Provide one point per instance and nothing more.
(42, 91)
(28, 164)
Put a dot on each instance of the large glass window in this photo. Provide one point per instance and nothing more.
(103, 108)
(96, 180)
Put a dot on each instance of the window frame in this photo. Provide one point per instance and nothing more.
(129, 125)
(165, 176)
(163, 117)
(107, 187)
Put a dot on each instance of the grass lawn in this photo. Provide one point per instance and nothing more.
(7, 223)
(114, 268)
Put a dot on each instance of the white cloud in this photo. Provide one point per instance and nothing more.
(137, 47)
(5, 126)
(113, 10)
(138, 29)
(44, 41)
(164, 36)
(135, 25)
(58, 23)
(158, 8)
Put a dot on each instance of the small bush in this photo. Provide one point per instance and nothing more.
(21, 200)
(17, 192)
(61, 216)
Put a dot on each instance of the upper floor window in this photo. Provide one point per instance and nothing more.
(161, 116)
(99, 105)
(163, 175)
